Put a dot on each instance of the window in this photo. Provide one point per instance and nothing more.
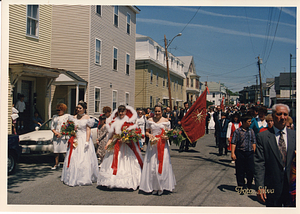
(128, 23)
(187, 82)
(97, 100)
(157, 79)
(164, 81)
(98, 52)
(115, 64)
(174, 85)
(98, 9)
(214, 95)
(157, 100)
(151, 76)
(116, 16)
(177, 84)
(114, 104)
(157, 52)
(127, 98)
(127, 63)
(177, 64)
(151, 102)
(32, 28)
(192, 83)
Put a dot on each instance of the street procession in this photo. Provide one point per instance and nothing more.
(105, 110)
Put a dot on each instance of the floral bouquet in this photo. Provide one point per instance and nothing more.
(126, 136)
(69, 129)
(154, 141)
(175, 136)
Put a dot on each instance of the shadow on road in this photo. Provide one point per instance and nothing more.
(104, 188)
(27, 173)
(223, 187)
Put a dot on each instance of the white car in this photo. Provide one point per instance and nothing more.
(40, 140)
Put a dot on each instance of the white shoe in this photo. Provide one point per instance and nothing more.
(55, 167)
(154, 192)
(232, 161)
(160, 192)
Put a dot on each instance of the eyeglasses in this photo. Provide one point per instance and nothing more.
(58, 110)
(279, 114)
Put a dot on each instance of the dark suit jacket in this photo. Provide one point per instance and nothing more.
(222, 129)
(172, 118)
(216, 119)
(269, 170)
(181, 114)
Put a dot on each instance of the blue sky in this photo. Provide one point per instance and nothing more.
(226, 41)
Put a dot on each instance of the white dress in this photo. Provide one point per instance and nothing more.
(211, 124)
(59, 144)
(129, 171)
(151, 179)
(83, 167)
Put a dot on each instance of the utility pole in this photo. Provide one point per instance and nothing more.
(256, 93)
(291, 57)
(169, 84)
(261, 92)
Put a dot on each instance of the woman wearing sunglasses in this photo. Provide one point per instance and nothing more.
(59, 143)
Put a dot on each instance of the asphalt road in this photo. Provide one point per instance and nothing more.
(203, 180)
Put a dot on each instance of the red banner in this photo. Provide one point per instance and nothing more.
(193, 123)
(222, 104)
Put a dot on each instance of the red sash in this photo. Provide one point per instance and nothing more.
(233, 129)
(160, 151)
(70, 144)
(114, 164)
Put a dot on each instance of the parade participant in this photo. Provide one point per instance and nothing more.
(289, 123)
(253, 111)
(217, 117)
(270, 123)
(59, 142)
(184, 146)
(170, 116)
(176, 114)
(273, 159)
(222, 127)
(261, 121)
(232, 126)
(211, 122)
(242, 152)
(101, 138)
(122, 165)
(81, 165)
(141, 122)
(157, 174)
(149, 113)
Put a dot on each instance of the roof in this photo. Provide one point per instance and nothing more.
(187, 61)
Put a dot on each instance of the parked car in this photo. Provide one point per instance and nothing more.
(40, 140)
(14, 152)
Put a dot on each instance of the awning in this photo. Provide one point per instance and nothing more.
(69, 78)
(166, 98)
(16, 70)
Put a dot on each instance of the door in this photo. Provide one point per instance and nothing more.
(73, 98)
(26, 90)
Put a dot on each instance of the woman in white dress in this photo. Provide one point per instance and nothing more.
(81, 164)
(59, 143)
(122, 166)
(211, 124)
(157, 174)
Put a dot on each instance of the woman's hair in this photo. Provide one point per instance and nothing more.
(121, 108)
(290, 120)
(269, 117)
(236, 115)
(263, 109)
(62, 107)
(102, 117)
(106, 109)
(83, 104)
(158, 106)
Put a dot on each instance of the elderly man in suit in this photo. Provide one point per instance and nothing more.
(272, 160)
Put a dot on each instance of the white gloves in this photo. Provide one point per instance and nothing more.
(86, 145)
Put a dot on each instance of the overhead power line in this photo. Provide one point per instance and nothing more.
(190, 20)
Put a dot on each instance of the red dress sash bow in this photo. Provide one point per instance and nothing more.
(160, 150)
(70, 144)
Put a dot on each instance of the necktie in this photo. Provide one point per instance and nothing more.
(282, 148)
